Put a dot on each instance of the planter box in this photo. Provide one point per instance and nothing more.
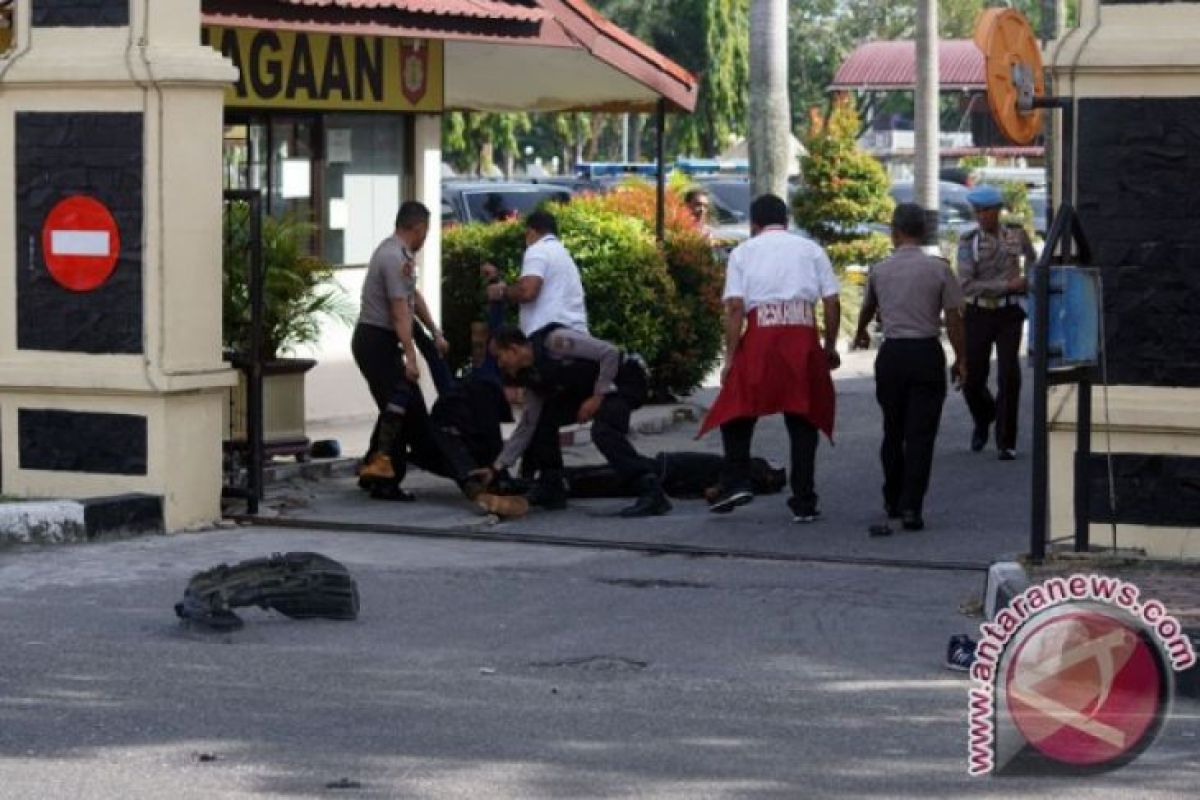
(283, 409)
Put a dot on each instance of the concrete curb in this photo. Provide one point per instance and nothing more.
(66, 521)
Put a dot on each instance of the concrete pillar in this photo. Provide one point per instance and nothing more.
(1133, 71)
(111, 378)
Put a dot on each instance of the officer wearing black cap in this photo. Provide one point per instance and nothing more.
(993, 282)
(911, 291)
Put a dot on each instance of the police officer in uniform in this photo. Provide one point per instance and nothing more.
(910, 291)
(572, 377)
(385, 345)
(993, 282)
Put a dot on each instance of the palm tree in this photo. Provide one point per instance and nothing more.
(770, 113)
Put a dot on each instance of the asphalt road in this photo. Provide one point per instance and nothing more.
(483, 670)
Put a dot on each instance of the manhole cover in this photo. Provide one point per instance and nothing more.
(596, 664)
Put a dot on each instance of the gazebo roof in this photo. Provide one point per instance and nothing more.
(892, 66)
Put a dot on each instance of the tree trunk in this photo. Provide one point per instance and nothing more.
(770, 115)
(927, 122)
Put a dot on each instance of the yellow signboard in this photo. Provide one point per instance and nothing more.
(324, 71)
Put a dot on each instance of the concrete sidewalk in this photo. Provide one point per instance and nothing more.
(977, 509)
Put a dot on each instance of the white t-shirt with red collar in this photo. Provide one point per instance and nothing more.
(776, 266)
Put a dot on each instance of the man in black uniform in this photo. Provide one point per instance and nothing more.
(571, 377)
(911, 290)
(989, 269)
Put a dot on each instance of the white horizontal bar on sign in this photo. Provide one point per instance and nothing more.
(79, 243)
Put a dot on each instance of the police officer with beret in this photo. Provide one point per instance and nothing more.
(993, 282)
(911, 290)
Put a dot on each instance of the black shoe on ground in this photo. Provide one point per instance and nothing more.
(548, 498)
(729, 499)
(1007, 454)
(912, 521)
(960, 653)
(877, 531)
(652, 500)
(979, 438)
(803, 513)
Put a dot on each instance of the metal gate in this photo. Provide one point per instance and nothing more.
(242, 258)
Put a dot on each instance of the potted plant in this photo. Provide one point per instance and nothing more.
(299, 293)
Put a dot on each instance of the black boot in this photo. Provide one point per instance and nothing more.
(652, 500)
(549, 492)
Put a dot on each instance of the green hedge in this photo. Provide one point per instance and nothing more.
(664, 304)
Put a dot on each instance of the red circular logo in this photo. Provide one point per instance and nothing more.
(80, 243)
(1085, 688)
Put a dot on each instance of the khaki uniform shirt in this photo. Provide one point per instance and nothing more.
(912, 290)
(391, 275)
(986, 263)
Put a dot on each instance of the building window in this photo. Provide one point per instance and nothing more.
(345, 173)
(364, 183)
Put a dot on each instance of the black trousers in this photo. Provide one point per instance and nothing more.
(910, 385)
(737, 436)
(610, 434)
(379, 358)
(999, 328)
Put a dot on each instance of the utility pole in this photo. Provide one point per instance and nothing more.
(770, 112)
(928, 87)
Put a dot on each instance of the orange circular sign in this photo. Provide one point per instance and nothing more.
(80, 243)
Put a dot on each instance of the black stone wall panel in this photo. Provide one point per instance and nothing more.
(1159, 490)
(1138, 196)
(58, 155)
(80, 441)
(80, 13)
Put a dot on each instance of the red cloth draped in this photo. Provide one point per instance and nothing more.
(777, 369)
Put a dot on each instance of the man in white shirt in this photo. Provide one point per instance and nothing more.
(549, 290)
(774, 360)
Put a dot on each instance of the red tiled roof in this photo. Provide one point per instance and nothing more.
(893, 66)
(470, 9)
(545, 23)
(630, 42)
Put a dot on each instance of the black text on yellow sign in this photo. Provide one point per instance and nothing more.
(320, 71)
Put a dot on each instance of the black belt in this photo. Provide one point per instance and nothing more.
(993, 303)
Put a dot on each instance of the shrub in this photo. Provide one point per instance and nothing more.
(624, 276)
(692, 326)
(844, 187)
(694, 331)
(664, 304)
(464, 249)
(1017, 210)
(870, 249)
(298, 288)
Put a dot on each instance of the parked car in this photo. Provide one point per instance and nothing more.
(954, 212)
(484, 201)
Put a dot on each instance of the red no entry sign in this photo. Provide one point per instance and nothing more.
(80, 243)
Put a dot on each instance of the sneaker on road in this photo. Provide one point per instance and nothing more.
(729, 499)
(803, 513)
(960, 653)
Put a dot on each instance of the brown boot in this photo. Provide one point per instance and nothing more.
(379, 465)
(505, 506)
(379, 468)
